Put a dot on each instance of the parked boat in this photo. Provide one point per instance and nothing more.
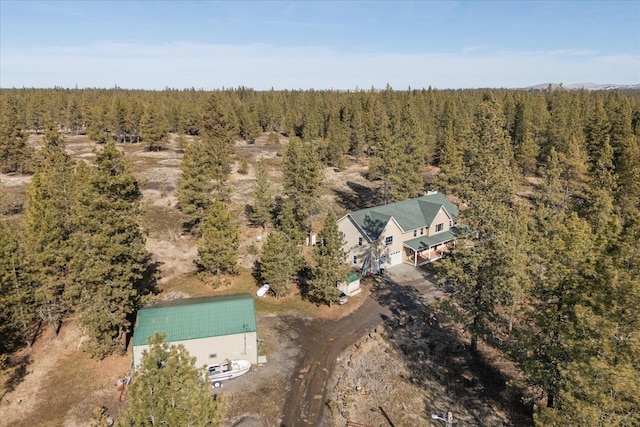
(263, 290)
(227, 370)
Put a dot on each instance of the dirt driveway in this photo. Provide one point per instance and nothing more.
(321, 342)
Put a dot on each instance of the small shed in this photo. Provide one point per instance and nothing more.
(212, 329)
(351, 286)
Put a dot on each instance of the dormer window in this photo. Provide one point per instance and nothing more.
(439, 227)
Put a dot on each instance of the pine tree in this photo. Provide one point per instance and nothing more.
(336, 143)
(168, 389)
(288, 222)
(563, 268)
(280, 262)
(205, 167)
(357, 136)
(17, 313)
(98, 127)
(329, 268)
(399, 161)
(108, 275)
(249, 128)
(153, 128)
(626, 150)
(600, 380)
(524, 145)
(15, 154)
(481, 267)
(218, 246)
(263, 196)
(217, 137)
(48, 229)
(449, 139)
(195, 189)
(303, 178)
(602, 178)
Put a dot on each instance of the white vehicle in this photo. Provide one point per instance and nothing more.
(227, 370)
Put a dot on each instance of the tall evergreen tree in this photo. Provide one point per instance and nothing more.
(280, 262)
(153, 128)
(524, 145)
(48, 229)
(205, 167)
(450, 142)
(168, 389)
(195, 189)
(626, 150)
(107, 277)
(217, 137)
(263, 196)
(329, 267)
(600, 380)
(480, 267)
(218, 246)
(563, 267)
(602, 179)
(303, 178)
(17, 309)
(287, 221)
(15, 154)
(400, 160)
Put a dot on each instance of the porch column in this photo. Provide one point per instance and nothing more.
(415, 258)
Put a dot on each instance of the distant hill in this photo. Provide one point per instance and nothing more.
(585, 86)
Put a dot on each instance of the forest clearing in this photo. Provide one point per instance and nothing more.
(56, 389)
(538, 293)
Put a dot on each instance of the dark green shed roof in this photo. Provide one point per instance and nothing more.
(193, 318)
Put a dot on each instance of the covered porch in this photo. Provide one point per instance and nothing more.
(426, 249)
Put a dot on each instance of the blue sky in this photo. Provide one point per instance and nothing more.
(317, 44)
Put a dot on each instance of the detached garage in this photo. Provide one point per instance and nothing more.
(212, 329)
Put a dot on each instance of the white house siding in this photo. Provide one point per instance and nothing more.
(441, 218)
(392, 252)
(351, 237)
(214, 349)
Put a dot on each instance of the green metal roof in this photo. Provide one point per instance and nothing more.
(352, 277)
(193, 318)
(409, 214)
(425, 242)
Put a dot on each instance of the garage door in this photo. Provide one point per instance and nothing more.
(395, 258)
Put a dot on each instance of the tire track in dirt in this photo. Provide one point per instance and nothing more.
(321, 342)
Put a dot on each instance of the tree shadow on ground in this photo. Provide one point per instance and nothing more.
(149, 282)
(359, 197)
(16, 368)
(456, 379)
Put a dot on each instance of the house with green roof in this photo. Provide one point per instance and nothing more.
(212, 329)
(415, 231)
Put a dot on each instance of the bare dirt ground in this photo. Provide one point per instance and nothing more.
(377, 361)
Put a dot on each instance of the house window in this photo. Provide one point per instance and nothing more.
(355, 259)
(422, 231)
(439, 227)
(415, 233)
(388, 241)
(450, 223)
(359, 242)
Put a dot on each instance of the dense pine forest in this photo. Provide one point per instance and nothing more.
(548, 182)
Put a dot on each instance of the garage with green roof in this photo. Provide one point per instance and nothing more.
(212, 329)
